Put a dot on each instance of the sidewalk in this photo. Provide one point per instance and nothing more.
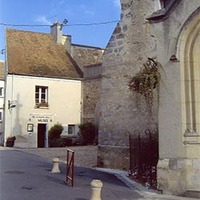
(143, 191)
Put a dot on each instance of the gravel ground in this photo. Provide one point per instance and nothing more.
(84, 156)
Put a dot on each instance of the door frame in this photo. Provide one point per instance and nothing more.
(45, 135)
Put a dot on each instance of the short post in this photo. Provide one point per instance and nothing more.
(55, 168)
(70, 167)
(96, 189)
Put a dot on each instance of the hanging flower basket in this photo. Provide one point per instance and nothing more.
(42, 105)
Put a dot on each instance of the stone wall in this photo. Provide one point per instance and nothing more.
(130, 45)
(86, 55)
(134, 40)
(117, 158)
(91, 92)
(179, 176)
(91, 88)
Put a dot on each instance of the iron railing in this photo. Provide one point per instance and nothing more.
(144, 157)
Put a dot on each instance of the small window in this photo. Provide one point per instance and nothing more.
(41, 96)
(1, 91)
(71, 129)
(65, 129)
(1, 116)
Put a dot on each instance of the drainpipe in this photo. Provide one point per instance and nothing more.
(4, 51)
(11, 109)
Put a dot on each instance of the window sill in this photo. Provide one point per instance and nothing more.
(191, 133)
(191, 138)
(41, 107)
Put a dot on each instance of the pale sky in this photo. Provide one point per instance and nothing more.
(81, 14)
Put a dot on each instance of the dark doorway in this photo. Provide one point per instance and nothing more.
(41, 135)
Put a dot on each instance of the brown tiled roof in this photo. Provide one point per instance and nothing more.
(38, 54)
(87, 55)
(2, 70)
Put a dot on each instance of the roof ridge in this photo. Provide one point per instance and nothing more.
(27, 31)
(88, 46)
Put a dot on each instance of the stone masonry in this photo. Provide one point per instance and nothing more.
(130, 45)
(166, 35)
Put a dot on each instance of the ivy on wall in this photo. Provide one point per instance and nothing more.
(145, 81)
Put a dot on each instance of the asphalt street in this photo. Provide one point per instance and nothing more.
(26, 176)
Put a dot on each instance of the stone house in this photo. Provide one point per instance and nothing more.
(168, 33)
(44, 84)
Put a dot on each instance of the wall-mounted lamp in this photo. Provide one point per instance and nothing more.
(12, 104)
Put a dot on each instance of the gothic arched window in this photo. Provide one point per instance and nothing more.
(190, 77)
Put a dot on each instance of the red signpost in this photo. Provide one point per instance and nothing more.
(70, 168)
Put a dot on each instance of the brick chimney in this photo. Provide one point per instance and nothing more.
(56, 31)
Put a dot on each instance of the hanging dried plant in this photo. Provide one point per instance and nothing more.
(145, 81)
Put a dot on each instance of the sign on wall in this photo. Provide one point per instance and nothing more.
(41, 118)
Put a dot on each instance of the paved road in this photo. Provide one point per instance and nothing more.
(25, 176)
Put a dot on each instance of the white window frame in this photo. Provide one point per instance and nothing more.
(71, 129)
(1, 92)
(39, 92)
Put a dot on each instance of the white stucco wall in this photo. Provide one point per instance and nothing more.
(64, 98)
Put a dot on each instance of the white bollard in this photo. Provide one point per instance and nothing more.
(96, 189)
(55, 168)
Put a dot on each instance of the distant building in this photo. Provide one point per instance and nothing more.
(89, 60)
(44, 84)
(43, 88)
